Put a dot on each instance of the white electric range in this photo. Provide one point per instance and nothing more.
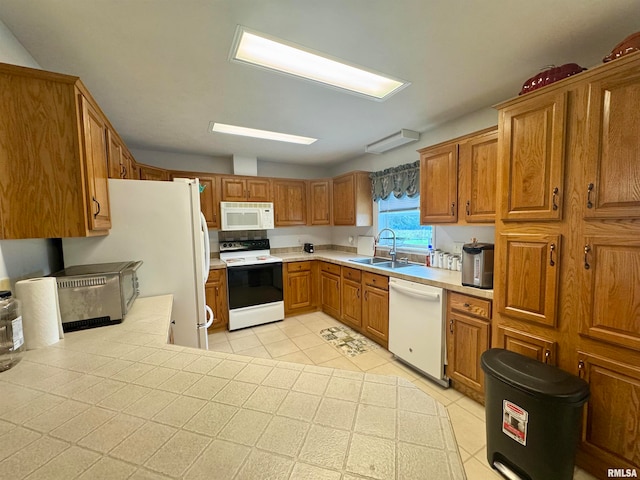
(254, 283)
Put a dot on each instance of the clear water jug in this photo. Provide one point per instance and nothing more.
(11, 334)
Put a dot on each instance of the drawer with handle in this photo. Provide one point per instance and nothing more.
(478, 307)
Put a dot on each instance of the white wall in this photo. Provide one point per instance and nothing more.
(24, 258)
(183, 161)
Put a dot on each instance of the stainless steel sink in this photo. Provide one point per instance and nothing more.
(393, 265)
(370, 261)
(379, 262)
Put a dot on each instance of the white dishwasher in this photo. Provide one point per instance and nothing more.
(416, 327)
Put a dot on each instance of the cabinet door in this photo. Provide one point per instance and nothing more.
(467, 338)
(115, 154)
(233, 189)
(610, 289)
(529, 270)
(95, 143)
(531, 156)
(208, 201)
(612, 189)
(611, 423)
(439, 185)
(344, 210)
(527, 344)
(259, 190)
(320, 202)
(128, 165)
(147, 172)
(351, 303)
(330, 294)
(298, 293)
(290, 202)
(375, 313)
(478, 163)
(216, 295)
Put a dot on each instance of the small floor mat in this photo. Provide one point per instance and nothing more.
(346, 340)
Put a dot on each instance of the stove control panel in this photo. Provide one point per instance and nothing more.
(244, 245)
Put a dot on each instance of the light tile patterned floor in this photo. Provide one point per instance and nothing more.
(297, 339)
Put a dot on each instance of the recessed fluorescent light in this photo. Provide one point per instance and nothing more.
(265, 134)
(285, 57)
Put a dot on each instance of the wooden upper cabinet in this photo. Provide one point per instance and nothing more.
(531, 157)
(209, 195)
(610, 290)
(95, 146)
(352, 201)
(439, 184)
(612, 187)
(119, 159)
(319, 202)
(478, 176)
(528, 266)
(148, 172)
(290, 202)
(245, 189)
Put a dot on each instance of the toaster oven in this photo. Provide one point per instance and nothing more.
(96, 295)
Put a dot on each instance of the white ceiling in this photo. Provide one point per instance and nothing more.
(160, 70)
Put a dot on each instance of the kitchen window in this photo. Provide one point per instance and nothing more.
(402, 215)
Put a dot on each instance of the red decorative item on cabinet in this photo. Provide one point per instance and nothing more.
(628, 45)
(550, 75)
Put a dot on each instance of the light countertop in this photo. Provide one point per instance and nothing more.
(118, 402)
(437, 277)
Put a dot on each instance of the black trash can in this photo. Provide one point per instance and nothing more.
(533, 415)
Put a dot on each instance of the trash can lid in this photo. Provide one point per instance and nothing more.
(535, 378)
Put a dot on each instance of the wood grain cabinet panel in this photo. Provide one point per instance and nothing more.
(352, 202)
(527, 344)
(290, 202)
(478, 165)
(611, 423)
(209, 195)
(532, 155)
(330, 289)
(95, 146)
(320, 202)
(299, 288)
(611, 290)
(351, 312)
(245, 189)
(467, 338)
(375, 307)
(148, 172)
(53, 151)
(439, 184)
(529, 275)
(215, 291)
(612, 189)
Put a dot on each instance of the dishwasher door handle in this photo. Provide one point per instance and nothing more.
(415, 293)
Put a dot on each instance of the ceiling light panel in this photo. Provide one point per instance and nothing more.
(264, 134)
(274, 54)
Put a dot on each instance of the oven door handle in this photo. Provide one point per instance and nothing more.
(254, 266)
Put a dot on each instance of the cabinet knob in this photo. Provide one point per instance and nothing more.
(554, 198)
(451, 325)
(468, 209)
(552, 249)
(547, 356)
(581, 368)
(589, 190)
(453, 208)
(587, 249)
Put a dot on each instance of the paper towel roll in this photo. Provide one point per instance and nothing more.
(41, 319)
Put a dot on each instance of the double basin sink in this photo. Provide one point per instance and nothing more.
(380, 262)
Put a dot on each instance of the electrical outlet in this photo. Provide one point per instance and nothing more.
(457, 247)
(5, 284)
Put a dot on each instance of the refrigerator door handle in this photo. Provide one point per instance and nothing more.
(207, 247)
(210, 317)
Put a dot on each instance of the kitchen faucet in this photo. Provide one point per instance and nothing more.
(392, 252)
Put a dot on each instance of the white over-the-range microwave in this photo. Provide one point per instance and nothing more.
(246, 215)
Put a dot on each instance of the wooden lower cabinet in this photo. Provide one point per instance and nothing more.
(375, 307)
(527, 344)
(330, 289)
(611, 419)
(299, 292)
(351, 312)
(215, 291)
(468, 336)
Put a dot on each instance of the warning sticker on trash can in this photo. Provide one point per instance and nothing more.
(514, 422)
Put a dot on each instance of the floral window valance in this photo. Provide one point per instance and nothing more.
(404, 179)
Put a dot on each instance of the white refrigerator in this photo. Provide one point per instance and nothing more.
(161, 224)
